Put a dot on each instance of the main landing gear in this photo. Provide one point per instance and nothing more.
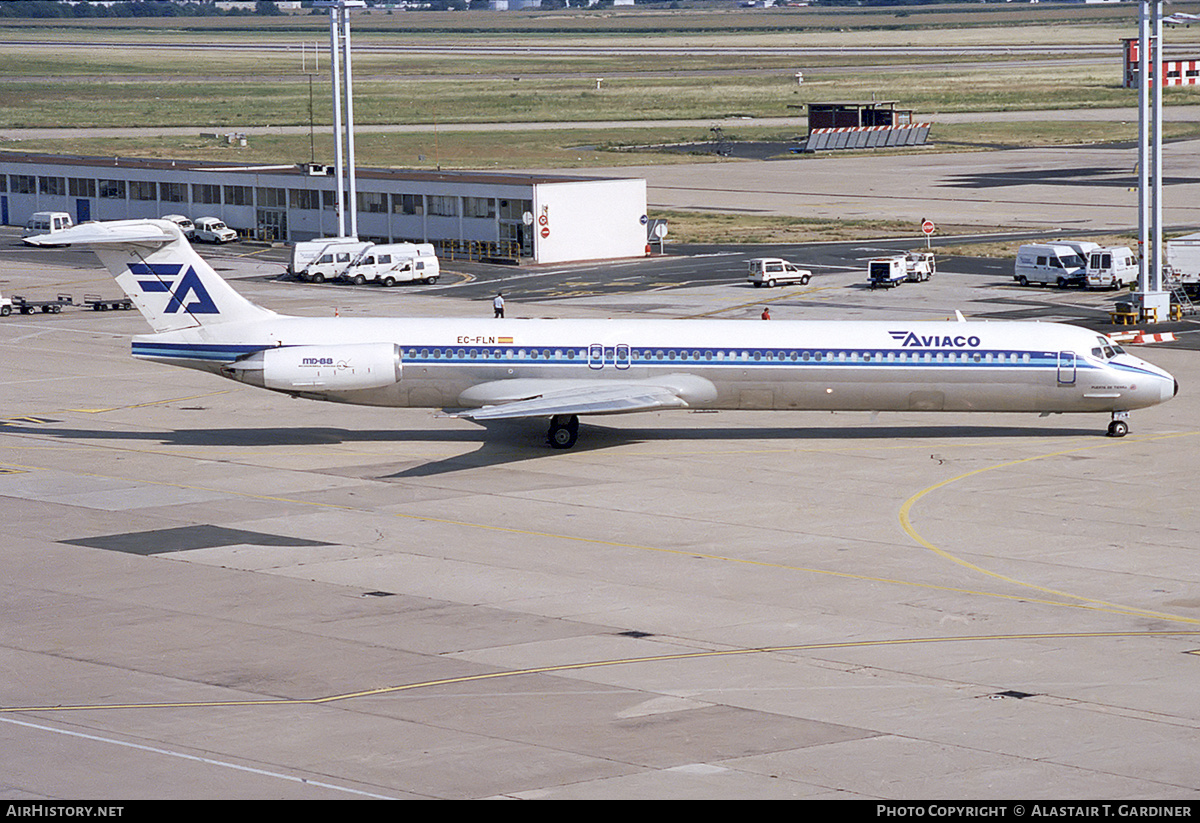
(1119, 427)
(564, 431)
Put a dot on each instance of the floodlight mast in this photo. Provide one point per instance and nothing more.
(1154, 302)
(339, 37)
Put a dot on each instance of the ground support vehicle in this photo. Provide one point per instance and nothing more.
(919, 266)
(1063, 264)
(1111, 267)
(46, 222)
(357, 262)
(54, 306)
(911, 267)
(6, 306)
(772, 271)
(388, 265)
(212, 230)
(188, 227)
(99, 303)
(326, 258)
(887, 272)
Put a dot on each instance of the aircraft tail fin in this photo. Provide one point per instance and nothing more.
(172, 286)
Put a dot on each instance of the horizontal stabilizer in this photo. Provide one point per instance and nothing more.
(117, 231)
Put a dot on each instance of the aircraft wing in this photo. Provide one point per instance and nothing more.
(546, 398)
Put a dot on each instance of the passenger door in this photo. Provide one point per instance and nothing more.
(1066, 368)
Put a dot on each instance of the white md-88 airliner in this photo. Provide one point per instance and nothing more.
(487, 369)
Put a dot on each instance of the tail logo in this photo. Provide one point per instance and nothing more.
(164, 275)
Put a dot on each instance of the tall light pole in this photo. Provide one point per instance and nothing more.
(339, 40)
(1150, 294)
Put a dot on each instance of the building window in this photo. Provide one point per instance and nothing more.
(272, 198)
(514, 209)
(304, 199)
(479, 207)
(112, 189)
(206, 193)
(172, 192)
(239, 196)
(81, 186)
(372, 202)
(443, 206)
(142, 190)
(408, 204)
(3, 182)
(24, 184)
(52, 185)
(329, 200)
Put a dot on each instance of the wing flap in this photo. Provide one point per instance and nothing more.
(620, 398)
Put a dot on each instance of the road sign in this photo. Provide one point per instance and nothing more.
(927, 226)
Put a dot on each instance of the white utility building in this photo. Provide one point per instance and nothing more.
(533, 217)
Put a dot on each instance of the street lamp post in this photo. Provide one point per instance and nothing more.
(343, 103)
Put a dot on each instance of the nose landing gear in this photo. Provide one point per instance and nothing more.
(1119, 427)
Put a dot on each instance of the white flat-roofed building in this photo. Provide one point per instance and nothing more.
(540, 217)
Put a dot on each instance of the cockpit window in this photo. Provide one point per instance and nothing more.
(1107, 349)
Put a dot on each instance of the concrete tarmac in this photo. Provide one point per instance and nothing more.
(213, 591)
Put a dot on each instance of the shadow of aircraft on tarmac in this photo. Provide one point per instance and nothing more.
(512, 441)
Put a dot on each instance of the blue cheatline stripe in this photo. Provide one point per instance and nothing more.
(625, 357)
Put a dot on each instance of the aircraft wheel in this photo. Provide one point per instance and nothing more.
(1118, 428)
(564, 431)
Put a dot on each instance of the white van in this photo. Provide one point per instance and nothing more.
(394, 263)
(325, 258)
(1111, 268)
(46, 222)
(186, 226)
(212, 230)
(771, 271)
(1059, 263)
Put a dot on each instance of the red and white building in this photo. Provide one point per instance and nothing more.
(1174, 72)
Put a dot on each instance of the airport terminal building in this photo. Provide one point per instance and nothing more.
(537, 218)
